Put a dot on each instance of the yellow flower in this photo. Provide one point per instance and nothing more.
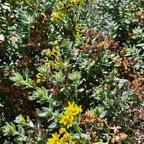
(38, 80)
(48, 52)
(72, 108)
(66, 120)
(30, 81)
(54, 139)
(55, 136)
(78, 26)
(62, 141)
(77, 35)
(62, 130)
(56, 64)
(56, 50)
(74, 3)
(47, 62)
(56, 16)
(77, 109)
(60, 3)
(69, 112)
(38, 75)
(65, 139)
(66, 136)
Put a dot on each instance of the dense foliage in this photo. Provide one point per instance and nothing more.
(71, 71)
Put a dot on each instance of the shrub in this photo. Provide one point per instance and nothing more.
(77, 67)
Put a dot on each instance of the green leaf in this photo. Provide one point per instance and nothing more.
(76, 127)
(44, 114)
(21, 130)
(125, 95)
(53, 125)
(51, 105)
(120, 80)
(103, 114)
(140, 45)
(81, 89)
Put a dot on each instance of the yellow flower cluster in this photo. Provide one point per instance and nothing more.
(71, 3)
(56, 61)
(30, 81)
(39, 77)
(74, 1)
(60, 3)
(62, 138)
(77, 35)
(56, 16)
(70, 111)
(78, 26)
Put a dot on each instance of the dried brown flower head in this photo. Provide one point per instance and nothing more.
(87, 118)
